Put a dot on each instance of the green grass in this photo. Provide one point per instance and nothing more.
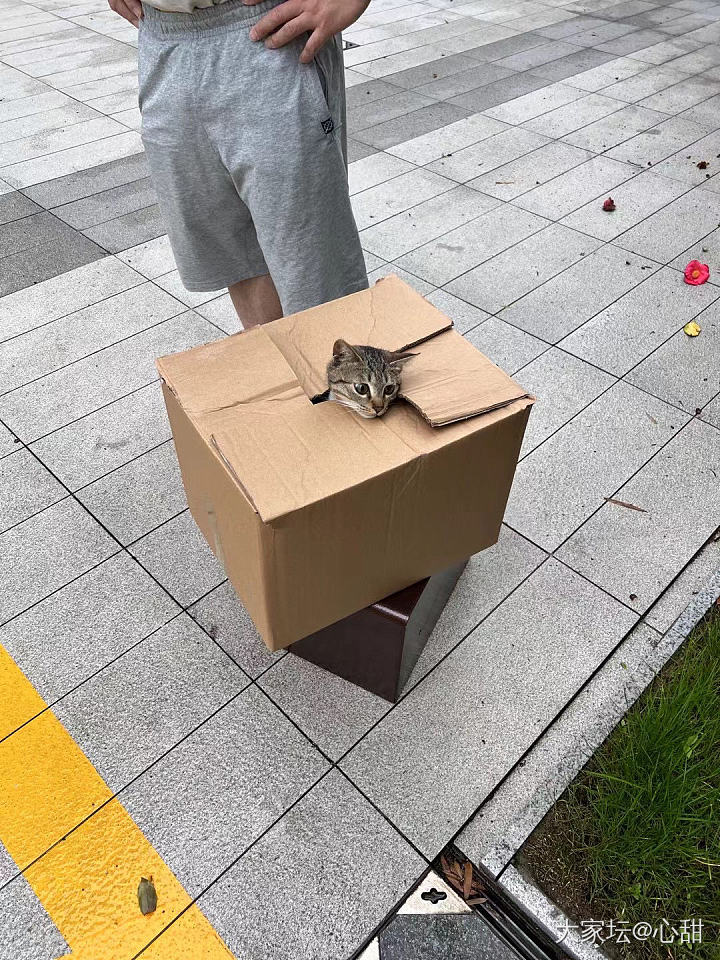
(643, 819)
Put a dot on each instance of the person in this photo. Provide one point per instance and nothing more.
(243, 124)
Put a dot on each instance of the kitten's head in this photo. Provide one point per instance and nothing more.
(366, 379)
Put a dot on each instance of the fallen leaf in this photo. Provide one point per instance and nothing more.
(702, 165)
(692, 329)
(147, 896)
(622, 503)
(609, 205)
(467, 880)
(474, 901)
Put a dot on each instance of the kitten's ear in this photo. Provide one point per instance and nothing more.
(342, 350)
(398, 359)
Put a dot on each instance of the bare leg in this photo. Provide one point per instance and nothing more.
(256, 301)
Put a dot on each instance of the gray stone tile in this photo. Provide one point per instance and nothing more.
(330, 842)
(488, 578)
(333, 713)
(489, 154)
(517, 177)
(465, 936)
(645, 84)
(601, 33)
(463, 315)
(46, 551)
(40, 263)
(448, 140)
(8, 444)
(374, 170)
(508, 347)
(676, 227)
(607, 73)
(665, 611)
(685, 371)
(631, 553)
(535, 103)
(366, 92)
(222, 313)
(26, 931)
(139, 496)
(623, 334)
(221, 614)
(706, 113)
(711, 412)
(33, 231)
(500, 91)
(478, 75)
(211, 797)
(571, 27)
(66, 293)
(610, 131)
(422, 286)
(88, 384)
(489, 52)
(152, 259)
(683, 95)
(64, 639)
(635, 199)
(563, 386)
(667, 50)
(631, 42)
(659, 142)
(461, 249)
(87, 182)
(429, 776)
(537, 55)
(108, 438)
(384, 135)
(25, 488)
(572, 297)
(128, 230)
(61, 342)
(424, 222)
(683, 165)
(571, 64)
(571, 116)
(523, 267)
(178, 556)
(386, 108)
(577, 186)
(15, 206)
(414, 77)
(390, 197)
(614, 436)
(357, 150)
(108, 204)
(144, 703)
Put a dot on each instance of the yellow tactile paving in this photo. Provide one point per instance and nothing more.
(87, 882)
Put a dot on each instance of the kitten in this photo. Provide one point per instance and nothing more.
(366, 379)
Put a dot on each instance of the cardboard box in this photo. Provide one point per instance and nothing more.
(315, 512)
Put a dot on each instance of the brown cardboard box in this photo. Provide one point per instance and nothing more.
(315, 512)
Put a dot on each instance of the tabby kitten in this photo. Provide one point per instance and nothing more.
(366, 379)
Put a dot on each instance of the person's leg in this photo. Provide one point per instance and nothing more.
(256, 301)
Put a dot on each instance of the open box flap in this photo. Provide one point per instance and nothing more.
(285, 458)
(389, 314)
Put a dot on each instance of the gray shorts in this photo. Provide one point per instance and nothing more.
(246, 148)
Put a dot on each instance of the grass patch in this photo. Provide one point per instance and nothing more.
(636, 837)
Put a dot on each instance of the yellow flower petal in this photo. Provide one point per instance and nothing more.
(692, 329)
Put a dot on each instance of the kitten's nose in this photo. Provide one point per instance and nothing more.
(377, 407)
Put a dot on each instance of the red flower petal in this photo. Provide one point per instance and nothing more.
(696, 273)
(609, 205)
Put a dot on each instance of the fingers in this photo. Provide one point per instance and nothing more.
(135, 7)
(317, 39)
(121, 7)
(288, 32)
(273, 20)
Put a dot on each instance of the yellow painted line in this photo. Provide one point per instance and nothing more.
(88, 882)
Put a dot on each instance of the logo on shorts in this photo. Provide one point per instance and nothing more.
(328, 125)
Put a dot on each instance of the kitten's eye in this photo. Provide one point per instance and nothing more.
(389, 390)
(362, 388)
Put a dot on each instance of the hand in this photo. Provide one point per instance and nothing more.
(131, 10)
(320, 18)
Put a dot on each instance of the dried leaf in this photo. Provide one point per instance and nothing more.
(692, 329)
(622, 503)
(702, 165)
(467, 880)
(147, 896)
(474, 901)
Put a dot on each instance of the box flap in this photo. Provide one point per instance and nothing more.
(451, 380)
(286, 457)
(389, 314)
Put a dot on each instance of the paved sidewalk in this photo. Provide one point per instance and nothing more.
(484, 137)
